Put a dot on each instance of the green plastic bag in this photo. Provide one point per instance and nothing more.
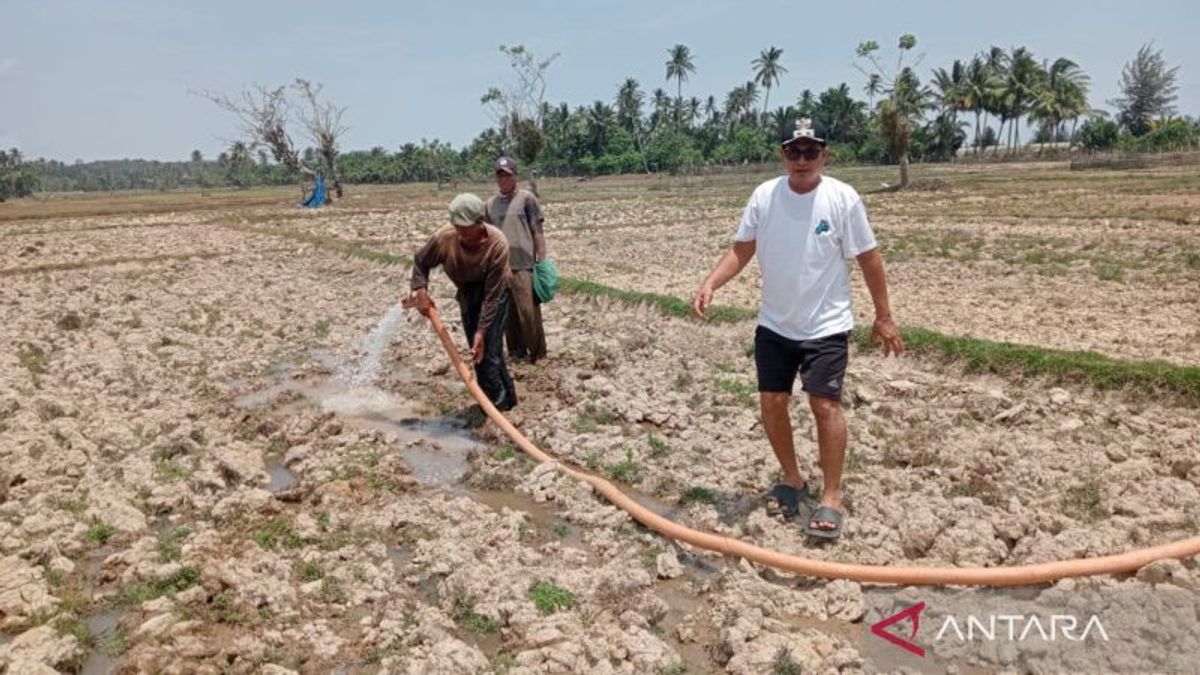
(545, 280)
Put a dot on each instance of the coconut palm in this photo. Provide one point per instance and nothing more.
(1020, 89)
(679, 66)
(629, 104)
(768, 71)
(873, 88)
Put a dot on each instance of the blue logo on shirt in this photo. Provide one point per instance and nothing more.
(823, 226)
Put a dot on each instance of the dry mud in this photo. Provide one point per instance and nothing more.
(198, 475)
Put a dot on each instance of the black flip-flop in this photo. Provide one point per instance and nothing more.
(825, 514)
(784, 501)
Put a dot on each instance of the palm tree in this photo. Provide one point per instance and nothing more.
(806, 103)
(874, 86)
(679, 66)
(662, 104)
(711, 111)
(629, 104)
(767, 71)
(978, 88)
(692, 110)
(949, 90)
(1020, 88)
(1070, 86)
(599, 122)
(996, 65)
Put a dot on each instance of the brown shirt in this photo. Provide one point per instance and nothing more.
(519, 216)
(487, 264)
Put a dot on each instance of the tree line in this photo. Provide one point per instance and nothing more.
(975, 106)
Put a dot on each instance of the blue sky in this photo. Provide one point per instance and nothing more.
(101, 80)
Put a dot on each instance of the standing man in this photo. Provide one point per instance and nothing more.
(475, 257)
(517, 213)
(804, 226)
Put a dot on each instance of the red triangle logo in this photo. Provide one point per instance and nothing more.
(913, 613)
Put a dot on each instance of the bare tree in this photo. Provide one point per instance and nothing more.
(517, 106)
(263, 116)
(323, 123)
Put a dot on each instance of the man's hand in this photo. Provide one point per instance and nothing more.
(701, 300)
(477, 347)
(885, 332)
(419, 299)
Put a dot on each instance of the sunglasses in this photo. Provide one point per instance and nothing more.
(809, 152)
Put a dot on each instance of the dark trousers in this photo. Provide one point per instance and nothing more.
(491, 372)
(525, 334)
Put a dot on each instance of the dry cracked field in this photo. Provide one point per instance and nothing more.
(224, 450)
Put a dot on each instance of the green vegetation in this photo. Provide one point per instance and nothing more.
(698, 494)
(182, 580)
(1100, 371)
(625, 470)
(549, 598)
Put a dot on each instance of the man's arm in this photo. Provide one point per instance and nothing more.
(884, 330)
(726, 268)
(426, 259)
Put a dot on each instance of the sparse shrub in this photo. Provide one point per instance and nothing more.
(698, 494)
(549, 598)
(625, 470)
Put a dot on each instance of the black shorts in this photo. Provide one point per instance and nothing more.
(820, 362)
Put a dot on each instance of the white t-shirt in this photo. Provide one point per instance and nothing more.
(803, 242)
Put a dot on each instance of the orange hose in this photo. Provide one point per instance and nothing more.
(1021, 575)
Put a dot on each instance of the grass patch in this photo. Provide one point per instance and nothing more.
(1109, 271)
(99, 532)
(169, 544)
(332, 591)
(53, 577)
(506, 453)
(465, 616)
(589, 419)
(549, 598)
(743, 393)
(1097, 370)
(664, 303)
(625, 470)
(658, 447)
(698, 494)
(32, 358)
(560, 530)
(112, 644)
(278, 534)
(309, 571)
(321, 329)
(75, 505)
(784, 664)
(182, 580)
(170, 470)
(1083, 501)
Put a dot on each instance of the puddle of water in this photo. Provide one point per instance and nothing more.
(400, 556)
(437, 451)
(103, 627)
(281, 477)
(541, 515)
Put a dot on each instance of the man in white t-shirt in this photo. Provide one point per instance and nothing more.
(804, 227)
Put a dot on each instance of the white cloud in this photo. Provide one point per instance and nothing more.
(7, 64)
